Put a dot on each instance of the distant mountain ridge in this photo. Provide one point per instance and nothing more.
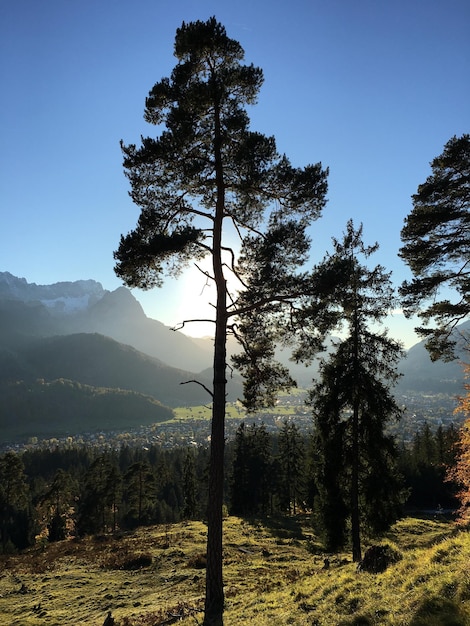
(85, 307)
(63, 297)
(420, 373)
(65, 308)
(103, 348)
(100, 339)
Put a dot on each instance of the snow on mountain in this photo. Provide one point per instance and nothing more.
(85, 307)
(62, 297)
(67, 305)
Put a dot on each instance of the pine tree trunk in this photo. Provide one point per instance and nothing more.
(214, 601)
(355, 521)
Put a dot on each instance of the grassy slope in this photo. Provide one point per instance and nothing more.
(273, 575)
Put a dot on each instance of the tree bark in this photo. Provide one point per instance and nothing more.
(355, 515)
(355, 518)
(214, 601)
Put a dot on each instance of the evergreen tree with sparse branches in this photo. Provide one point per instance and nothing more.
(58, 499)
(189, 488)
(140, 488)
(97, 499)
(17, 518)
(352, 401)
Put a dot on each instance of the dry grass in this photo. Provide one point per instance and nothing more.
(273, 576)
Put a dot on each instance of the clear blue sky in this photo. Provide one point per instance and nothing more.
(372, 89)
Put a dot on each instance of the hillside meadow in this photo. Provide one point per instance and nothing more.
(234, 410)
(274, 575)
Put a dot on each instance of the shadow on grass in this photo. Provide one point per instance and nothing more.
(360, 620)
(438, 612)
(432, 612)
(282, 527)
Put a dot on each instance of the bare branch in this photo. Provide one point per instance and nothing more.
(197, 382)
(231, 329)
(205, 247)
(232, 268)
(208, 278)
(203, 272)
(238, 224)
(182, 324)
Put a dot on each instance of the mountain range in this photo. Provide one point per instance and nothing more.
(101, 345)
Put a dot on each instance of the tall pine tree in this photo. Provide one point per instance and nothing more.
(97, 499)
(189, 487)
(58, 500)
(141, 493)
(204, 181)
(17, 519)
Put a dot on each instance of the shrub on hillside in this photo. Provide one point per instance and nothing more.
(378, 558)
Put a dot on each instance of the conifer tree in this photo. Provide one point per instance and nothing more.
(250, 489)
(330, 508)
(189, 487)
(240, 483)
(292, 467)
(114, 494)
(424, 463)
(97, 499)
(141, 493)
(460, 470)
(261, 467)
(436, 246)
(205, 181)
(58, 498)
(17, 521)
(352, 401)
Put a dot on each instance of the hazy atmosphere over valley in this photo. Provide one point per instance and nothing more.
(81, 332)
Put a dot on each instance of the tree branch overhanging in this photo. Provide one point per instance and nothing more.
(198, 382)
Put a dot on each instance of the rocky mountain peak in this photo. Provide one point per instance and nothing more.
(61, 298)
(122, 300)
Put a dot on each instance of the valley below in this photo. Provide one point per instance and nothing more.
(82, 363)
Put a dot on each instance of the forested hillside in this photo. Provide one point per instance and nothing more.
(72, 384)
(74, 489)
(85, 307)
(64, 408)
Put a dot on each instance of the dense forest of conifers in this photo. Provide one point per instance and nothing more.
(48, 495)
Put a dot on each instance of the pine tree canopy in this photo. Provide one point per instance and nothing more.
(206, 157)
(436, 238)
